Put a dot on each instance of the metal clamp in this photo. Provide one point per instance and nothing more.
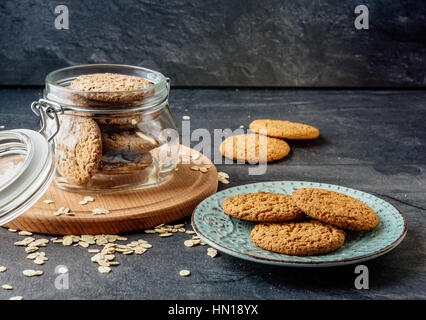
(168, 86)
(45, 109)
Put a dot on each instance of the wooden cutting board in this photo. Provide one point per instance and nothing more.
(128, 211)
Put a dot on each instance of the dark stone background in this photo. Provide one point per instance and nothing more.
(303, 43)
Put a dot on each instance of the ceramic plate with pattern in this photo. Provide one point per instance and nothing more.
(232, 235)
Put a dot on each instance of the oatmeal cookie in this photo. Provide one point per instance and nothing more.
(304, 238)
(254, 148)
(262, 206)
(78, 149)
(336, 208)
(285, 129)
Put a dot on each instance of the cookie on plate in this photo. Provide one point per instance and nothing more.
(336, 208)
(304, 238)
(285, 129)
(262, 206)
(254, 148)
(78, 149)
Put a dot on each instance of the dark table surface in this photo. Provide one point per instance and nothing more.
(374, 141)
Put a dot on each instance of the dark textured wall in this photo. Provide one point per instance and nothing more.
(221, 43)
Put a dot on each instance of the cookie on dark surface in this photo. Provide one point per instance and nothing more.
(285, 129)
(254, 148)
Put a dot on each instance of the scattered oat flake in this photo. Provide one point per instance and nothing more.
(89, 199)
(67, 241)
(12, 230)
(83, 244)
(16, 298)
(39, 243)
(140, 250)
(32, 256)
(3, 268)
(88, 238)
(32, 273)
(223, 174)
(195, 168)
(24, 242)
(184, 273)
(63, 210)
(211, 252)
(31, 249)
(47, 201)
(188, 243)
(39, 261)
(7, 287)
(2, 127)
(189, 232)
(223, 180)
(94, 250)
(167, 234)
(100, 211)
(186, 117)
(203, 169)
(25, 233)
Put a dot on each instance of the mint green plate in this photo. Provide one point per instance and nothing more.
(232, 236)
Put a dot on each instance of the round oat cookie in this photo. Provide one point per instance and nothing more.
(262, 206)
(336, 208)
(107, 88)
(78, 149)
(112, 164)
(285, 129)
(254, 148)
(108, 82)
(119, 123)
(298, 238)
(127, 141)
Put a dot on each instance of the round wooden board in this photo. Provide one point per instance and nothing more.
(129, 211)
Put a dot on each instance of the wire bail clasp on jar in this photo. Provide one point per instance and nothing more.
(45, 110)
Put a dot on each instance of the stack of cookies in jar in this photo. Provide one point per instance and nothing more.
(105, 144)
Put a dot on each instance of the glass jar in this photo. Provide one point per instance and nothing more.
(106, 141)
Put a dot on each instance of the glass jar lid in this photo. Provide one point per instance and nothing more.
(26, 170)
